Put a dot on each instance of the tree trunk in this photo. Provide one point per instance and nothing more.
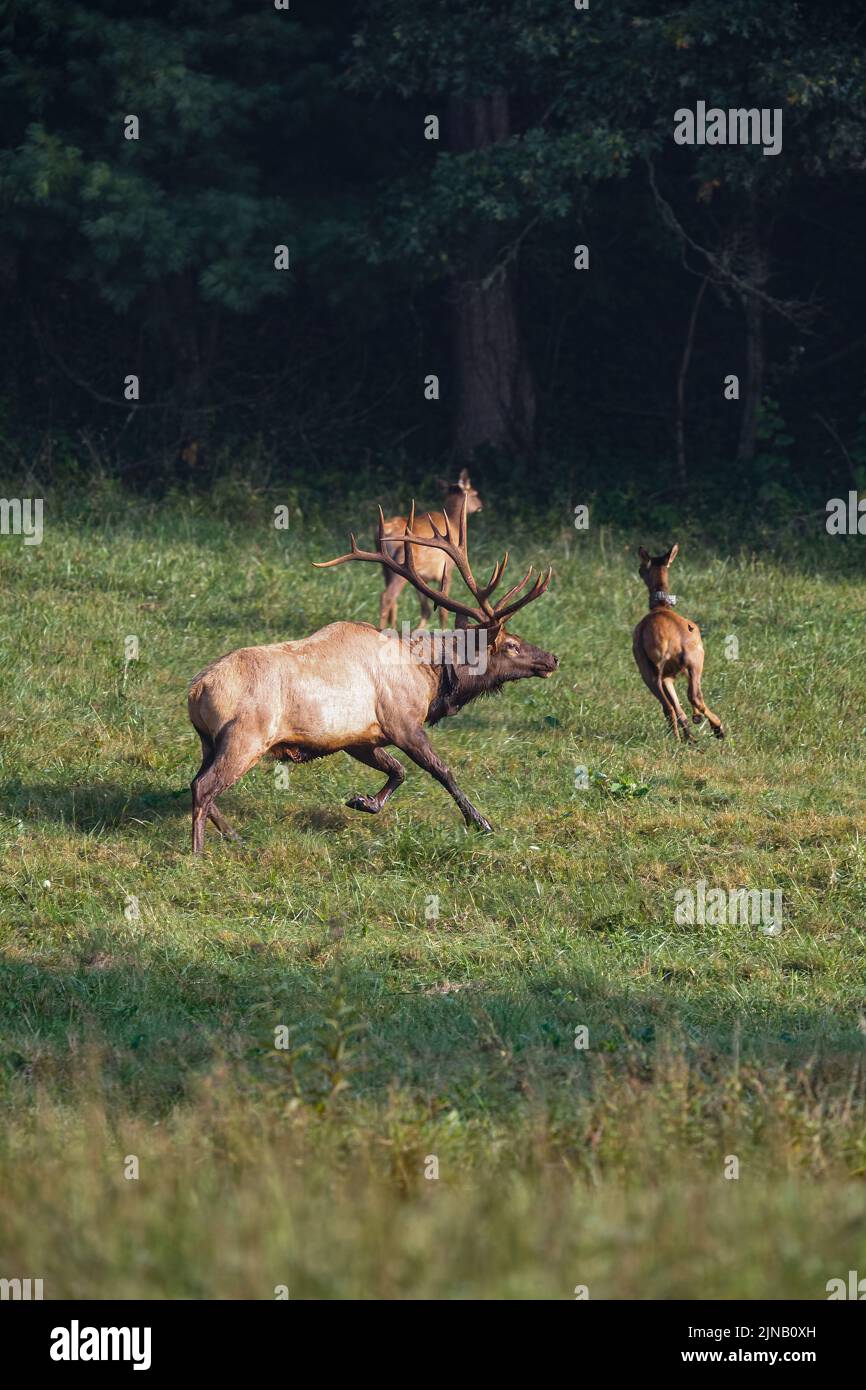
(756, 274)
(682, 471)
(495, 394)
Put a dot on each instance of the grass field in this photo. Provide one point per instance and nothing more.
(141, 990)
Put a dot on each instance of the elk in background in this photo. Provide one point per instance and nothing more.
(349, 687)
(666, 644)
(457, 495)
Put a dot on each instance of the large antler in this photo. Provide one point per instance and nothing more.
(485, 613)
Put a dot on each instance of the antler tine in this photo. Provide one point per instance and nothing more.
(440, 535)
(444, 572)
(353, 554)
(483, 613)
(498, 571)
(515, 588)
(441, 540)
(462, 536)
(409, 571)
(541, 585)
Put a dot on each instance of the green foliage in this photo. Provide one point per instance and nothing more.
(262, 128)
(771, 466)
(621, 785)
(128, 214)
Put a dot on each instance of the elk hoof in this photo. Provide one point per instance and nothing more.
(364, 803)
(719, 732)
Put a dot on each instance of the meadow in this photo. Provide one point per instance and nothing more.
(432, 980)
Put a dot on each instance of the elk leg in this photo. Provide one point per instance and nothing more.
(388, 603)
(701, 710)
(207, 757)
(416, 744)
(232, 757)
(671, 692)
(385, 762)
(219, 820)
(426, 611)
(222, 825)
(667, 706)
(653, 681)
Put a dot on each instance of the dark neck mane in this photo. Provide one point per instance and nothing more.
(457, 686)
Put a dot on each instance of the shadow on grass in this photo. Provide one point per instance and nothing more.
(92, 806)
(156, 1021)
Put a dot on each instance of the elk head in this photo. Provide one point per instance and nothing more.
(455, 493)
(654, 573)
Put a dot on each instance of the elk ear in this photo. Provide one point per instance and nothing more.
(672, 554)
(643, 555)
(461, 620)
(463, 479)
(443, 484)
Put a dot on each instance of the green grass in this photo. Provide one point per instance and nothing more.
(151, 1033)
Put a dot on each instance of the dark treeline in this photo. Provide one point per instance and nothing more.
(454, 257)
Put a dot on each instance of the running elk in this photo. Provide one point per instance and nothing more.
(432, 567)
(666, 644)
(351, 688)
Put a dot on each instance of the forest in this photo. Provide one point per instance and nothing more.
(370, 240)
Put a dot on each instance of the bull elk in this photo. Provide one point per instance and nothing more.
(457, 496)
(665, 644)
(353, 689)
